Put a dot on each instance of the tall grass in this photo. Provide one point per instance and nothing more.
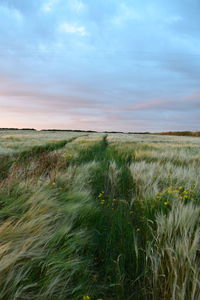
(42, 251)
(101, 217)
(173, 254)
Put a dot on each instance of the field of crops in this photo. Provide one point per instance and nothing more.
(99, 217)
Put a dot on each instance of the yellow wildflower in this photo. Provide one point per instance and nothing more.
(102, 202)
(68, 156)
(166, 203)
(138, 229)
(86, 298)
(53, 183)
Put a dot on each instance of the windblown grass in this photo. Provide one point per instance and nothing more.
(100, 217)
(174, 256)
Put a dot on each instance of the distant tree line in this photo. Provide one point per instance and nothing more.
(93, 131)
(177, 133)
(18, 129)
(69, 130)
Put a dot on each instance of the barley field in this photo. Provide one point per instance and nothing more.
(99, 217)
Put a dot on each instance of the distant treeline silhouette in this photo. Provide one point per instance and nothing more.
(177, 133)
(77, 130)
(18, 129)
(74, 130)
(69, 130)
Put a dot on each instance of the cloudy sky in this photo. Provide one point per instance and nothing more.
(126, 65)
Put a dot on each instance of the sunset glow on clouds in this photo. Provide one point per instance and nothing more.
(100, 65)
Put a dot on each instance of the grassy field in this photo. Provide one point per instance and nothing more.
(92, 217)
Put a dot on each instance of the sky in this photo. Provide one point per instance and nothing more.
(122, 65)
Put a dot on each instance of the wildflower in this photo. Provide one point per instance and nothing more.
(99, 299)
(138, 229)
(166, 203)
(102, 202)
(86, 298)
(53, 183)
(68, 156)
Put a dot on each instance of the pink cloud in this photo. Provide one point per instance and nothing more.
(189, 100)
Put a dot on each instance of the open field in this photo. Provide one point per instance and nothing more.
(182, 133)
(112, 217)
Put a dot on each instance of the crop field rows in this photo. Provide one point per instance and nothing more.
(99, 217)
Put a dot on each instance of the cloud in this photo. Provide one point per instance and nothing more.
(187, 103)
(136, 67)
(77, 6)
(73, 29)
(48, 6)
(126, 13)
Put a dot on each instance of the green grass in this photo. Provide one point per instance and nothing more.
(112, 217)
